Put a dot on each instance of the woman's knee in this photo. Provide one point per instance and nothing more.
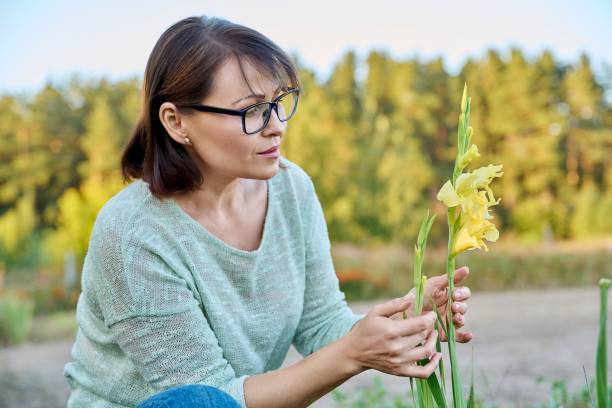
(192, 395)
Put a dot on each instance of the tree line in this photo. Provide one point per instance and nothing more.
(378, 148)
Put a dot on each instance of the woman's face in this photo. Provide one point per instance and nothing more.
(217, 141)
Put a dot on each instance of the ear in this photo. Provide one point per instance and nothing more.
(174, 123)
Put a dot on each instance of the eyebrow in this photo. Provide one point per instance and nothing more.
(259, 96)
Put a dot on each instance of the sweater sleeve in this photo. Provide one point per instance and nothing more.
(153, 315)
(326, 316)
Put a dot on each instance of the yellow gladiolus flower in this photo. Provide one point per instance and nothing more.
(465, 241)
(473, 194)
(472, 236)
(479, 178)
(471, 188)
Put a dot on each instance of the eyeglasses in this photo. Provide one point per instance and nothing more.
(256, 117)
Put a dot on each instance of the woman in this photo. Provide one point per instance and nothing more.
(204, 271)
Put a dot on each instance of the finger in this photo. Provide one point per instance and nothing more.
(422, 371)
(426, 351)
(459, 320)
(415, 324)
(440, 282)
(463, 337)
(461, 274)
(410, 294)
(460, 307)
(414, 340)
(391, 307)
(462, 293)
(400, 316)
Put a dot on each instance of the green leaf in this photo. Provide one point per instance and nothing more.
(438, 343)
(471, 402)
(420, 393)
(436, 390)
(412, 391)
(602, 357)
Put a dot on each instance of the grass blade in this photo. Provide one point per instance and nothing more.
(440, 326)
(602, 355)
(471, 402)
(436, 390)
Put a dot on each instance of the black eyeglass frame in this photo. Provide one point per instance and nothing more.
(242, 112)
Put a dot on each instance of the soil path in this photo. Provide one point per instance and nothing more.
(519, 337)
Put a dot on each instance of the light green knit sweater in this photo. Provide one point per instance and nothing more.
(164, 302)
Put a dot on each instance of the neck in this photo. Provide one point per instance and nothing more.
(219, 195)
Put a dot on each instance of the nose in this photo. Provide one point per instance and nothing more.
(274, 126)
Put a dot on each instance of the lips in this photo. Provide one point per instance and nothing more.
(270, 150)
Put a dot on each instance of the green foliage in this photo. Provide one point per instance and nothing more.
(375, 396)
(52, 297)
(18, 237)
(376, 146)
(16, 312)
(101, 143)
(503, 268)
(363, 289)
(601, 359)
(77, 211)
(44, 140)
(378, 396)
(54, 326)
(561, 397)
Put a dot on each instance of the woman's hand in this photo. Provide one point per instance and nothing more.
(436, 289)
(393, 346)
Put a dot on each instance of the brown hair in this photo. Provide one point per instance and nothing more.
(181, 69)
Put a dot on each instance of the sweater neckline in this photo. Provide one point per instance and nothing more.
(218, 242)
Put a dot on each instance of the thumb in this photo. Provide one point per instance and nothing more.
(391, 307)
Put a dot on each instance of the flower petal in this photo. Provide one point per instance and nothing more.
(448, 195)
(465, 241)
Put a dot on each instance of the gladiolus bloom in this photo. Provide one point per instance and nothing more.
(473, 194)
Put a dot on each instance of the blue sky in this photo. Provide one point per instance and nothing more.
(42, 40)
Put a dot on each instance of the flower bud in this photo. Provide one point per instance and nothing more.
(464, 98)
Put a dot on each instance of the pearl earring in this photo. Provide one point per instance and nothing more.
(187, 141)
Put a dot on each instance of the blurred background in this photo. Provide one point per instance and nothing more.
(375, 130)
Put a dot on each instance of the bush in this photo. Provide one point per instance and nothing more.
(55, 326)
(47, 290)
(53, 297)
(387, 272)
(16, 313)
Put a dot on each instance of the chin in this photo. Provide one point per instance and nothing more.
(266, 173)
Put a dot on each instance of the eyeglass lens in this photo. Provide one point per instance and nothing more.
(256, 117)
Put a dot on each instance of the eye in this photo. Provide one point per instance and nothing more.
(255, 110)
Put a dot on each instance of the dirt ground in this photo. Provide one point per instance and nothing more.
(519, 337)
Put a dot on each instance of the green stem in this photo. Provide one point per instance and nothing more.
(452, 346)
(602, 354)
